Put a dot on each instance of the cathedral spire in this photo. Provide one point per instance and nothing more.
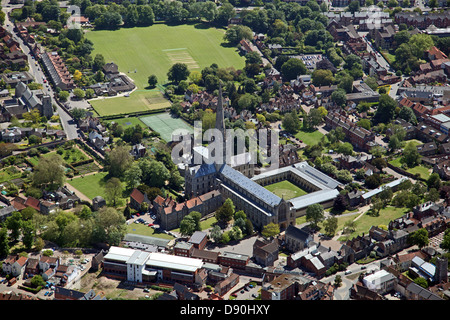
(220, 122)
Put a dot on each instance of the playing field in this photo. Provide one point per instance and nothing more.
(139, 100)
(166, 125)
(285, 189)
(142, 51)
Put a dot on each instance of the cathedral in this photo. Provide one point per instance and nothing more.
(232, 179)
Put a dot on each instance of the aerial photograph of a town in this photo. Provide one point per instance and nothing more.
(241, 151)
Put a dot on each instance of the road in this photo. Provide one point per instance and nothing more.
(343, 292)
(69, 126)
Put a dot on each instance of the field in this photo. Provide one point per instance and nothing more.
(91, 185)
(154, 49)
(166, 125)
(286, 189)
(365, 222)
(424, 172)
(309, 138)
(143, 51)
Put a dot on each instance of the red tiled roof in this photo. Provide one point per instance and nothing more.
(32, 202)
(137, 196)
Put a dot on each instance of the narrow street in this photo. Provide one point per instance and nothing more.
(36, 71)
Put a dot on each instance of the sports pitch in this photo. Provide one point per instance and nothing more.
(142, 51)
(166, 125)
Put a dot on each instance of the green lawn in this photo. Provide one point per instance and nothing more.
(139, 100)
(138, 228)
(310, 138)
(154, 49)
(364, 223)
(420, 169)
(286, 189)
(91, 185)
(142, 51)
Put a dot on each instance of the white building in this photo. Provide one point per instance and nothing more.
(380, 281)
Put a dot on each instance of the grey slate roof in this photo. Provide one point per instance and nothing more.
(252, 187)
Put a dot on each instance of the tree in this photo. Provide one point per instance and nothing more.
(419, 238)
(98, 63)
(152, 81)
(386, 109)
(4, 242)
(226, 212)
(109, 226)
(434, 181)
(345, 148)
(146, 15)
(216, 233)
(187, 226)
(411, 156)
(408, 115)
(28, 232)
(445, 244)
(225, 13)
(322, 77)
(293, 68)
(113, 190)
(63, 95)
(37, 281)
(119, 160)
(178, 72)
(340, 203)
(315, 214)
(330, 225)
(291, 122)
(339, 97)
(14, 224)
(78, 113)
(132, 175)
(236, 33)
(353, 6)
(79, 93)
(49, 172)
(312, 119)
(158, 174)
(270, 230)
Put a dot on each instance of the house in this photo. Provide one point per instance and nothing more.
(356, 248)
(415, 292)
(7, 211)
(98, 202)
(297, 239)
(198, 239)
(380, 281)
(137, 198)
(62, 293)
(284, 287)
(138, 151)
(226, 285)
(46, 263)
(183, 249)
(205, 255)
(47, 207)
(56, 68)
(265, 252)
(15, 265)
(32, 267)
(234, 260)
